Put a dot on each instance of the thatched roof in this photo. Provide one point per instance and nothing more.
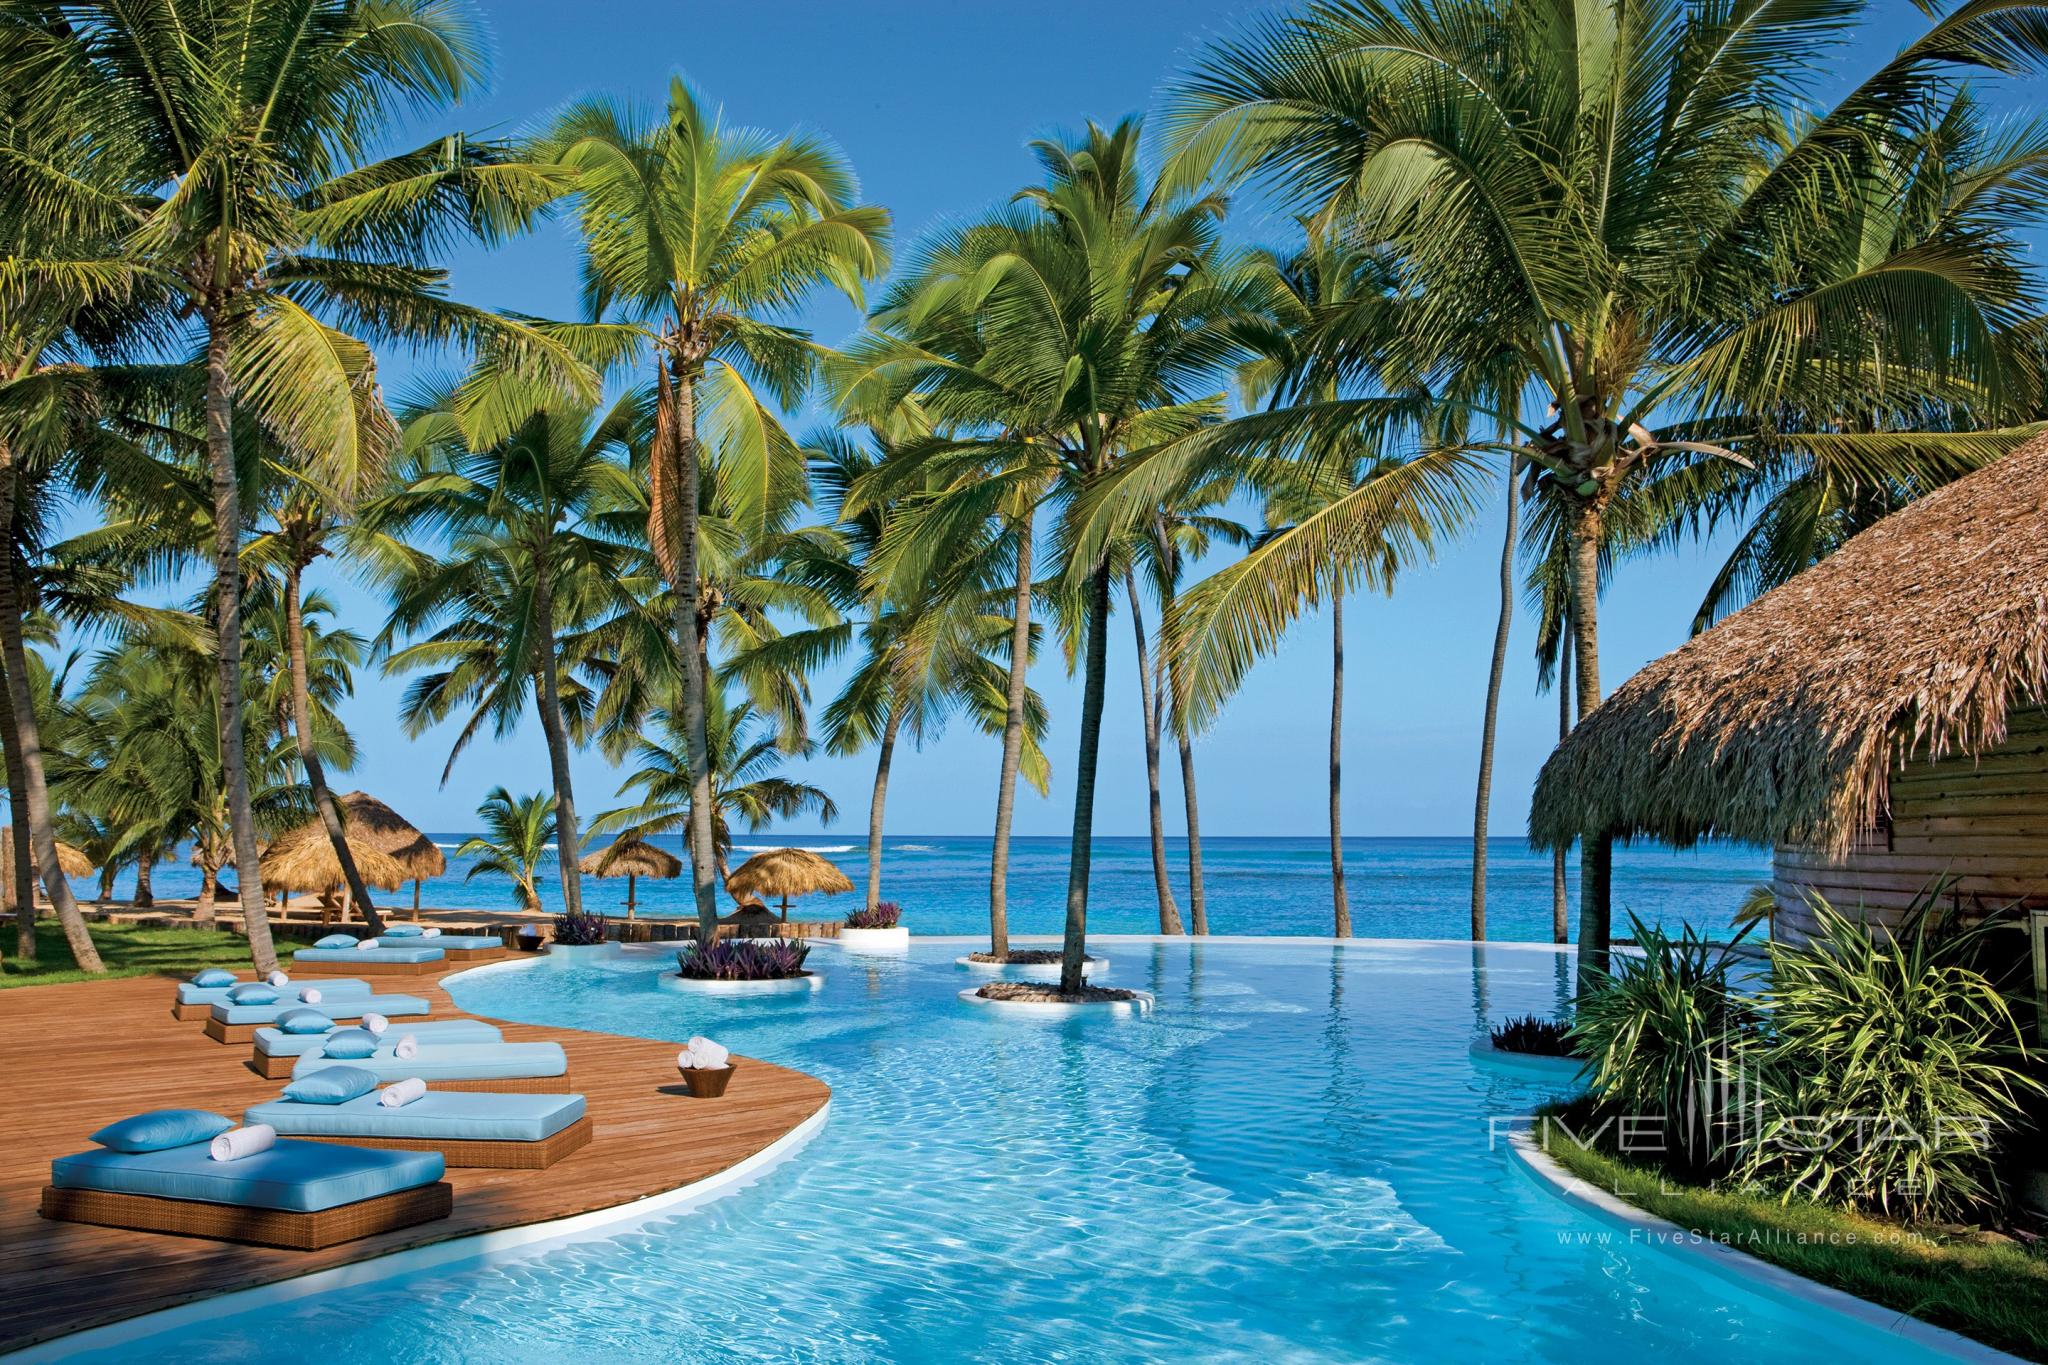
(70, 860)
(297, 862)
(1783, 723)
(786, 872)
(632, 856)
(369, 820)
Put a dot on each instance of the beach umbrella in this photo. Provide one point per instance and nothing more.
(368, 823)
(305, 858)
(786, 872)
(631, 857)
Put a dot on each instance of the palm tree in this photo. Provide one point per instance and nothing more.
(698, 233)
(743, 782)
(517, 832)
(1639, 210)
(525, 561)
(243, 128)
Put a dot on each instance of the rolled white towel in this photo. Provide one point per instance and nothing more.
(277, 979)
(709, 1055)
(430, 933)
(240, 1142)
(401, 1092)
(366, 943)
(310, 996)
(376, 1023)
(407, 1049)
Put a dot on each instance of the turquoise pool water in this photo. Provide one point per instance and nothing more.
(1290, 1160)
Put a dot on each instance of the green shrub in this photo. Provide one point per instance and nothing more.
(1888, 1074)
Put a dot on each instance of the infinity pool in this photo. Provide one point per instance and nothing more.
(1291, 1160)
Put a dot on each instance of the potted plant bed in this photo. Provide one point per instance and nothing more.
(706, 1068)
(579, 937)
(876, 929)
(743, 966)
(1532, 1048)
(1038, 1000)
(1029, 964)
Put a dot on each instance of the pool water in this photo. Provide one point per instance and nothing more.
(1290, 1160)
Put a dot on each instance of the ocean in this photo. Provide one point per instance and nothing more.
(1398, 888)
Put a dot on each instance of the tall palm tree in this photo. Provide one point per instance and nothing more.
(699, 233)
(525, 560)
(245, 128)
(517, 832)
(1649, 214)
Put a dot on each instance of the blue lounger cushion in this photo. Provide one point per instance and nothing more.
(453, 1061)
(455, 1115)
(465, 942)
(420, 952)
(297, 1177)
(402, 931)
(275, 1042)
(354, 1007)
(330, 987)
(162, 1128)
(213, 976)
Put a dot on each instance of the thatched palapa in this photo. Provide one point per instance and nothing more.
(1790, 722)
(631, 857)
(70, 860)
(786, 872)
(297, 862)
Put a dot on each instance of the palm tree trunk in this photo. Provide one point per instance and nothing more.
(1560, 895)
(21, 868)
(1198, 896)
(884, 756)
(227, 590)
(1148, 706)
(202, 908)
(1596, 847)
(1013, 744)
(25, 736)
(1482, 803)
(145, 866)
(675, 505)
(309, 756)
(547, 687)
(1075, 949)
(1343, 901)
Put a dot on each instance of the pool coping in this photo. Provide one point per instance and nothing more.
(486, 1247)
(1750, 1272)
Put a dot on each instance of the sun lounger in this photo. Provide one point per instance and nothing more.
(469, 947)
(197, 1002)
(299, 1195)
(417, 958)
(536, 1068)
(238, 1023)
(277, 1050)
(467, 1128)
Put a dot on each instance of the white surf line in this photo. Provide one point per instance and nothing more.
(1747, 1271)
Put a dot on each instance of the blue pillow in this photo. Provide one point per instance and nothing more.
(331, 1085)
(213, 977)
(162, 1128)
(403, 930)
(336, 941)
(351, 1044)
(304, 1019)
(253, 993)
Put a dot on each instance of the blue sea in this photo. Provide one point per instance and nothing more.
(1399, 888)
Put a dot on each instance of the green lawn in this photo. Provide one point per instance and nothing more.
(1997, 1294)
(129, 950)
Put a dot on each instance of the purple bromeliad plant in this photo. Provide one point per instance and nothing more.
(743, 959)
(579, 931)
(882, 915)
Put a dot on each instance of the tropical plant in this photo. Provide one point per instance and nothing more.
(882, 915)
(243, 130)
(1643, 209)
(1534, 1035)
(577, 929)
(698, 232)
(517, 833)
(1669, 1038)
(743, 959)
(1891, 1071)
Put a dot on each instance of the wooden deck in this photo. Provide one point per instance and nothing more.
(64, 1081)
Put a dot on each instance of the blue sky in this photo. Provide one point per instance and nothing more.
(934, 104)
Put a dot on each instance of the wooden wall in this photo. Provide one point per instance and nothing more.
(1981, 821)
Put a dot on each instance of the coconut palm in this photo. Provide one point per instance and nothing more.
(1642, 207)
(244, 130)
(517, 833)
(524, 561)
(743, 782)
(698, 233)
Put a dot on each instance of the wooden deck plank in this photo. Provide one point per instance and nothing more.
(66, 1078)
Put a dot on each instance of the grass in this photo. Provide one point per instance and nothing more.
(129, 950)
(1996, 1294)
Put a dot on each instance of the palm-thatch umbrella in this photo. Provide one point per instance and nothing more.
(305, 859)
(631, 857)
(368, 823)
(786, 872)
(70, 861)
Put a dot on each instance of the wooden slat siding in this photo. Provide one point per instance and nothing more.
(65, 1080)
(1982, 821)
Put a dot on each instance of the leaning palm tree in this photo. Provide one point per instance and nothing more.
(1644, 210)
(517, 833)
(244, 128)
(699, 232)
